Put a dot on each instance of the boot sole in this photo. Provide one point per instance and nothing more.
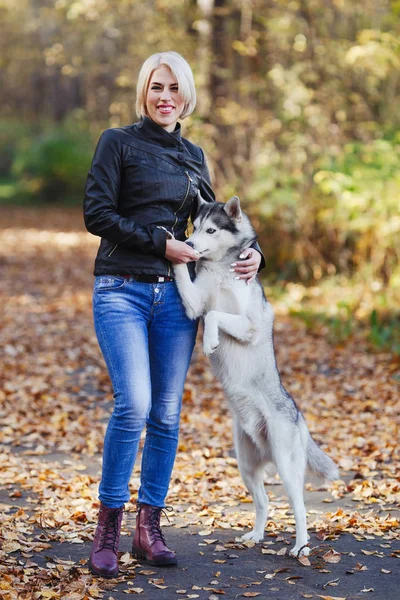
(99, 573)
(140, 555)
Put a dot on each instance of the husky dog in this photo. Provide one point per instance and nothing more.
(238, 336)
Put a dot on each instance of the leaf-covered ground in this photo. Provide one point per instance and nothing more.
(55, 399)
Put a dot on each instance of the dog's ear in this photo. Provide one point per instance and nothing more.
(232, 209)
(200, 200)
(197, 205)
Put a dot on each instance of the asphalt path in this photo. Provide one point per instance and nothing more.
(217, 565)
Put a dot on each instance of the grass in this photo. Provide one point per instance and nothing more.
(341, 308)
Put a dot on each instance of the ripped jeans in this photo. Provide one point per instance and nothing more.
(147, 343)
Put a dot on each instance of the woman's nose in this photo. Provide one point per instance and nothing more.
(166, 95)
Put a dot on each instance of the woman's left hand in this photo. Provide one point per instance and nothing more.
(247, 265)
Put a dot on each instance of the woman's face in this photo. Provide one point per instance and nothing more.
(163, 102)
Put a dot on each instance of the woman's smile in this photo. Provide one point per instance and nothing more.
(164, 103)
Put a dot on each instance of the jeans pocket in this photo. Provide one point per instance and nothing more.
(104, 283)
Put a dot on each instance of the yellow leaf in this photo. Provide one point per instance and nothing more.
(332, 556)
(126, 558)
(146, 572)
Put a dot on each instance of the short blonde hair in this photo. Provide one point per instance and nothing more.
(179, 67)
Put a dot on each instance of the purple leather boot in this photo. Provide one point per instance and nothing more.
(103, 559)
(148, 542)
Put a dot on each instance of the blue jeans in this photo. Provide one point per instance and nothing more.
(147, 342)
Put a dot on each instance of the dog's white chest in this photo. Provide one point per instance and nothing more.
(230, 296)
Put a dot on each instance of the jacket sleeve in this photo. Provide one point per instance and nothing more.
(207, 193)
(100, 205)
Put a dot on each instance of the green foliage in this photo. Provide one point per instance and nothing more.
(345, 219)
(385, 331)
(340, 308)
(52, 166)
(12, 133)
(297, 112)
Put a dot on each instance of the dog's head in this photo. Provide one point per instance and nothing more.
(219, 228)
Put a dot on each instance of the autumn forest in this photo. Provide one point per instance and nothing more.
(298, 115)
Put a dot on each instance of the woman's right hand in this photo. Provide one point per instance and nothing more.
(178, 252)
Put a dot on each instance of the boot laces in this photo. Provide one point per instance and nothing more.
(110, 536)
(155, 527)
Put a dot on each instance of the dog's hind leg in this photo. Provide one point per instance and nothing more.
(290, 461)
(251, 467)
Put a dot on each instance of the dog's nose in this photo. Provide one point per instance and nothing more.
(189, 244)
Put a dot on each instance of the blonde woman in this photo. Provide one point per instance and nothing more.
(142, 183)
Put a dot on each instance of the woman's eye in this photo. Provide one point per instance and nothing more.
(211, 230)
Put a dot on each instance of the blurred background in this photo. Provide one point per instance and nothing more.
(298, 114)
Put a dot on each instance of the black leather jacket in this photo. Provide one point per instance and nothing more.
(142, 181)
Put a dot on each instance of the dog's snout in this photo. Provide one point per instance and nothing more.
(189, 243)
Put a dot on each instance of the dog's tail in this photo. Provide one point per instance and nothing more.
(319, 462)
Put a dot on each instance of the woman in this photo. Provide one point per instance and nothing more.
(141, 184)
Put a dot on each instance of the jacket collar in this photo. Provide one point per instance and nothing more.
(157, 134)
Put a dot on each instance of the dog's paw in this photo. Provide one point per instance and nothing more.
(179, 268)
(298, 551)
(191, 313)
(210, 336)
(210, 344)
(254, 536)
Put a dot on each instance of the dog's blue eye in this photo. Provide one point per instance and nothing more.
(211, 230)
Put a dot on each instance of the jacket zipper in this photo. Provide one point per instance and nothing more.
(183, 202)
(114, 248)
(175, 215)
(190, 180)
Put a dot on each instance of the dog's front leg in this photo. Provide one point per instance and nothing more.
(237, 326)
(189, 292)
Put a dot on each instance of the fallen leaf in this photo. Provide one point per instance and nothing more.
(304, 560)
(332, 556)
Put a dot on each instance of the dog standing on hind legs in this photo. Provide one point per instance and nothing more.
(238, 337)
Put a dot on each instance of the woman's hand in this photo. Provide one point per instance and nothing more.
(247, 268)
(178, 252)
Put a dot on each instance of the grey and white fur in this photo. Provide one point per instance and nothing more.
(238, 337)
